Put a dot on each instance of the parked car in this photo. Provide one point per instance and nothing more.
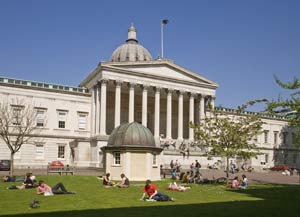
(56, 163)
(280, 168)
(4, 165)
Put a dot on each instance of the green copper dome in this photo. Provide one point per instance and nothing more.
(132, 135)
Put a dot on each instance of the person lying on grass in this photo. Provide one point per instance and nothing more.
(46, 190)
(174, 187)
(153, 195)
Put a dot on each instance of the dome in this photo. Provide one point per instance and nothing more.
(131, 50)
(131, 134)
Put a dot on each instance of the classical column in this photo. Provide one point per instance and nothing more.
(103, 107)
(202, 107)
(93, 111)
(97, 121)
(144, 105)
(131, 103)
(191, 116)
(212, 102)
(118, 103)
(169, 114)
(157, 112)
(180, 116)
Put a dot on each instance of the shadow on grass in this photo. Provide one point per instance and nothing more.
(266, 201)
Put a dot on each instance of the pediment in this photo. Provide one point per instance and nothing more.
(160, 70)
(165, 69)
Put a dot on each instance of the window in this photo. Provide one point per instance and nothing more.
(285, 157)
(82, 121)
(275, 137)
(255, 138)
(266, 135)
(117, 158)
(294, 140)
(295, 155)
(17, 115)
(40, 117)
(61, 151)
(284, 137)
(154, 160)
(39, 151)
(62, 117)
(267, 158)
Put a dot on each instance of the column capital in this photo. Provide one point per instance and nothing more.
(145, 86)
(170, 90)
(192, 94)
(131, 85)
(118, 82)
(181, 92)
(202, 95)
(103, 81)
(157, 89)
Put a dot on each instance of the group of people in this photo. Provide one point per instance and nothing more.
(236, 184)
(41, 187)
(124, 183)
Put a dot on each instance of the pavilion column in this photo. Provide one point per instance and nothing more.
(131, 103)
(118, 103)
(157, 112)
(202, 108)
(180, 116)
(144, 105)
(191, 116)
(169, 114)
(103, 107)
(97, 110)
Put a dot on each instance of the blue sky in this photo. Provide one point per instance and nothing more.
(240, 44)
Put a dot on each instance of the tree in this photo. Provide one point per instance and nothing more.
(17, 125)
(291, 104)
(229, 135)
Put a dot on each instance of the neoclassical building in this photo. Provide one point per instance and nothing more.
(75, 122)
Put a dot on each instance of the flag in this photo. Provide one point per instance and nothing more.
(164, 22)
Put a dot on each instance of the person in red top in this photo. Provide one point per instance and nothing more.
(151, 190)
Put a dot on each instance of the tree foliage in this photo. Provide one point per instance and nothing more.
(229, 135)
(291, 104)
(17, 125)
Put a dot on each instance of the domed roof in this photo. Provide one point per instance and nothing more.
(131, 50)
(131, 134)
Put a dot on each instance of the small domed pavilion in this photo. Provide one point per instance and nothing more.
(131, 150)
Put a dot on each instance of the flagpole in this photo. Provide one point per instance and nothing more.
(162, 38)
(162, 24)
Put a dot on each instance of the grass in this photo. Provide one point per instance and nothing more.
(202, 200)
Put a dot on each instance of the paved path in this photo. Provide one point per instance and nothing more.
(254, 177)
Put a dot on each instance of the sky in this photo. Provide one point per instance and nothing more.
(240, 44)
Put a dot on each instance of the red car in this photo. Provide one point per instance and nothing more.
(280, 168)
(56, 163)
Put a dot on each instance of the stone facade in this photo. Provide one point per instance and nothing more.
(159, 94)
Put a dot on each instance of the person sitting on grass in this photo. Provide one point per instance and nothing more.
(124, 182)
(46, 190)
(153, 195)
(235, 183)
(29, 182)
(106, 181)
(186, 177)
(174, 187)
(244, 184)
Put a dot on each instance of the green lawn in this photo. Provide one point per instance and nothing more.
(202, 200)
